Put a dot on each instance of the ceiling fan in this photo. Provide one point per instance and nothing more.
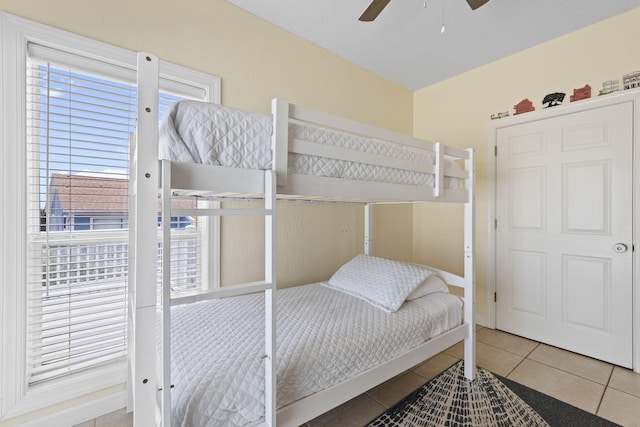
(376, 7)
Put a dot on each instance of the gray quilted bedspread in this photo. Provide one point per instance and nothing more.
(197, 132)
(324, 337)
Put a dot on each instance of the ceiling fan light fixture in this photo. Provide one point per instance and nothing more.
(376, 6)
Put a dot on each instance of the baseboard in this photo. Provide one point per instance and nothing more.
(482, 321)
(79, 413)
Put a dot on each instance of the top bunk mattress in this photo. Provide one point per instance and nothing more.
(212, 134)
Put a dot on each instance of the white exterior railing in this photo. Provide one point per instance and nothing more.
(77, 295)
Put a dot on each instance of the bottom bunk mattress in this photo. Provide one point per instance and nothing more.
(324, 337)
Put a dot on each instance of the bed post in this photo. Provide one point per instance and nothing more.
(270, 268)
(165, 306)
(142, 293)
(469, 270)
(439, 175)
(368, 228)
(273, 178)
(143, 235)
(280, 139)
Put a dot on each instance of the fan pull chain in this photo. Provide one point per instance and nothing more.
(442, 29)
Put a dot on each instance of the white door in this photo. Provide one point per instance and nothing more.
(563, 237)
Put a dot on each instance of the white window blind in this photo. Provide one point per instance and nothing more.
(80, 116)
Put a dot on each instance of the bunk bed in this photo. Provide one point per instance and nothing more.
(305, 155)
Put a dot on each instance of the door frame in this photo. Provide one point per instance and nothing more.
(574, 107)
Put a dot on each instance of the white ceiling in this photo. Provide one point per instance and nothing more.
(405, 45)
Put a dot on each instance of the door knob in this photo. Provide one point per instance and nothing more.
(620, 248)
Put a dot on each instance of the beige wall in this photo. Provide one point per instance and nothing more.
(256, 62)
(456, 111)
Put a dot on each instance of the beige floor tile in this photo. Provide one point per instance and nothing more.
(91, 423)
(435, 365)
(621, 408)
(577, 364)
(562, 385)
(391, 392)
(355, 412)
(456, 350)
(491, 358)
(625, 380)
(115, 419)
(513, 343)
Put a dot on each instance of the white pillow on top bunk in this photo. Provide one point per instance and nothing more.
(381, 282)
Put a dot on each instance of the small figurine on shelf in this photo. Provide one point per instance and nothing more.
(609, 86)
(582, 93)
(500, 115)
(524, 106)
(553, 99)
(631, 80)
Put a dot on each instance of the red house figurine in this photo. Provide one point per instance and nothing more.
(524, 106)
(582, 93)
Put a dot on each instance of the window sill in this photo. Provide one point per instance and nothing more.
(82, 387)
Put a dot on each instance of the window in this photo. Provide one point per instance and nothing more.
(74, 139)
(79, 124)
(79, 222)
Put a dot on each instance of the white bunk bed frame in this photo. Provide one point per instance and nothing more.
(149, 396)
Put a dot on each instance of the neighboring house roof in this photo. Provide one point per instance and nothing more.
(80, 193)
(89, 193)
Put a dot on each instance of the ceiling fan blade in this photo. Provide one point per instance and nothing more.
(373, 10)
(474, 4)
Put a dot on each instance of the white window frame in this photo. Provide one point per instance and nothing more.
(107, 382)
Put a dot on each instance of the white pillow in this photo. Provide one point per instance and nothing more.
(432, 284)
(381, 282)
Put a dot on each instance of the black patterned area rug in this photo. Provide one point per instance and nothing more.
(490, 400)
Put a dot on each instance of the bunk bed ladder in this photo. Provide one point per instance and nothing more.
(267, 286)
(148, 177)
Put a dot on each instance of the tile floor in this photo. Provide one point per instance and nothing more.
(598, 387)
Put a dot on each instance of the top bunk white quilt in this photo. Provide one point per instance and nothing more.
(206, 133)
